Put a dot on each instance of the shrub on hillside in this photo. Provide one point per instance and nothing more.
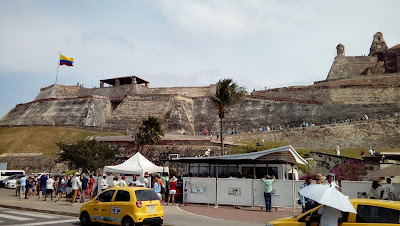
(351, 170)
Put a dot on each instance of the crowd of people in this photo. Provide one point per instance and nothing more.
(67, 186)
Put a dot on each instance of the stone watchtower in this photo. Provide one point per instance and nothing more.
(340, 50)
(378, 46)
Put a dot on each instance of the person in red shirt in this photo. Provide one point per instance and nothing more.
(172, 189)
(88, 192)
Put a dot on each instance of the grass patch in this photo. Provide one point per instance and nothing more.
(41, 139)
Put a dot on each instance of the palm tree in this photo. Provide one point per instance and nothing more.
(227, 94)
(150, 132)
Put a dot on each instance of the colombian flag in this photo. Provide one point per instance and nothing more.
(66, 60)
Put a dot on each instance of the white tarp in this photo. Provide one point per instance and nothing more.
(136, 164)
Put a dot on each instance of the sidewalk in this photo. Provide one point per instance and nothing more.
(174, 215)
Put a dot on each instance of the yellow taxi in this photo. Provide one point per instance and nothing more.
(123, 206)
(369, 212)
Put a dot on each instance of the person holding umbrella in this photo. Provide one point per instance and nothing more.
(330, 216)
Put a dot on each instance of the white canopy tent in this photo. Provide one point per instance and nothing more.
(136, 164)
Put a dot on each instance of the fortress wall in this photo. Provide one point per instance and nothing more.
(65, 112)
(362, 134)
(133, 109)
(58, 91)
(179, 118)
(350, 66)
(185, 91)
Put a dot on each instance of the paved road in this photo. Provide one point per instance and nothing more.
(20, 217)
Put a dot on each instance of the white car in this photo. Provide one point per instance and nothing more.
(13, 182)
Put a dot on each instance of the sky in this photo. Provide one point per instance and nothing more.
(171, 43)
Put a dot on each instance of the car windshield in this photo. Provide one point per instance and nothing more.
(146, 195)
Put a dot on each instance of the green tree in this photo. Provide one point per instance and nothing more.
(227, 94)
(86, 154)
(150, 132)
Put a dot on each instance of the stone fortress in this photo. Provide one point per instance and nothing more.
(355, 86)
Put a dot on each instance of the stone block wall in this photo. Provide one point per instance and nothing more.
(362, 134)
(350, 66)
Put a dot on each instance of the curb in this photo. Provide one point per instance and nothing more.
(41, 211)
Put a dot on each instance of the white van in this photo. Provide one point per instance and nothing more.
(4, 174)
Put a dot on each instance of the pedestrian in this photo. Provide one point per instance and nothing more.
(306, 203)
(18, 187)
(329, 182)
(115, 182)
(59, 187)
(22, 187)
(75, 187)
(43, 180)
(337, 150)
(90, 187)
(268, 181)
(31, 185)
(49, 188)
(157, 185)
(319, 179)
(172, 189)
(371, 151)
(362, 153)
(164, 180)
(146, 181)
(84, 187)
(122, 182)
(104, 184)
(388, 192)
(329, 216)
(373, 191)
(69, 188)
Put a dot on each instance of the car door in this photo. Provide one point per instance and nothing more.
(101, 207)
(120, 206)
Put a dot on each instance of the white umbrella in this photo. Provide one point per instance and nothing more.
(328, 196)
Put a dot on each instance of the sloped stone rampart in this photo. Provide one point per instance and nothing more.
(375, 133)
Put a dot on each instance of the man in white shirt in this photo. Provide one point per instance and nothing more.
(75, 187)
(146, 180)
(104, 184)
(122, 182)
(329, 182)
(388, 192)
(49, 188)
(371, 151)
(329, 216)
(22, 187)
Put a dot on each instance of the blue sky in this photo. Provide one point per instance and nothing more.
(182, 43)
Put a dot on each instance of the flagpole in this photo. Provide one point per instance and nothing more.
(58, 64)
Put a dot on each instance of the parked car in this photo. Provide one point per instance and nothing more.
(3, 182)
(12, 183)
(123, 206)
(369, 212)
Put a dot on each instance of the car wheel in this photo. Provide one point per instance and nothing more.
(127, 221)
(85, 219)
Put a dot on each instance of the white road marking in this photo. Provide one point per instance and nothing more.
(47, 222)
(30, 214)
(15, 217)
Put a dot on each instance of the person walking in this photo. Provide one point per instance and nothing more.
(164, 180)
(49, 188)
(388, 192)
(22, 187)
(68, 188)
(373, 191)
(85, 182)
(104, 184)
(90, 187)
(43, 180)
(306, 203)
(60, 186)
(268, 181)
(157, 185)
(172, 189)
(75, 187)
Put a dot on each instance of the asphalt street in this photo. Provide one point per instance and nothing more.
(20, 217)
